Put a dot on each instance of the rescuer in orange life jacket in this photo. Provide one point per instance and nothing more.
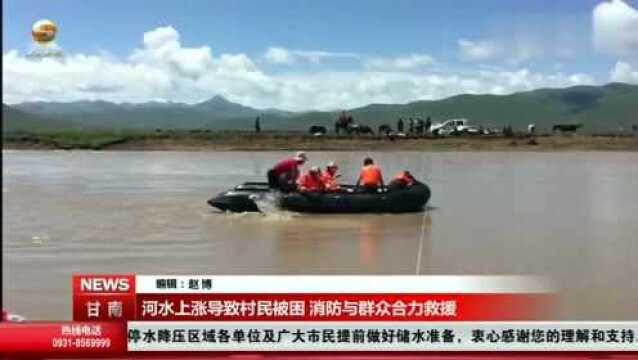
(402, 180)
(329, 177)
(310, 181)
(370, 177)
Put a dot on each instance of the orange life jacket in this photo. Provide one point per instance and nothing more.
(308, 182)
(404, 178)
(329, 180)
(370, 175)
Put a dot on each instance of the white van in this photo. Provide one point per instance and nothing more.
(454, 126)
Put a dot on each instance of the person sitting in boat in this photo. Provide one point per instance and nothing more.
(284, 174)
(311, 181)
(402, 180)
(329, 177)
(370, 178)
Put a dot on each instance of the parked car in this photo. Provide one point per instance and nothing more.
(455, 127)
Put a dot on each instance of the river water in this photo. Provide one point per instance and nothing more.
(570, 216)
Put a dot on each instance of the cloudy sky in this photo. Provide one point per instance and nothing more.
(301, 55)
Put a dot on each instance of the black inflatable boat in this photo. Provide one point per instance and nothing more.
(245, 198)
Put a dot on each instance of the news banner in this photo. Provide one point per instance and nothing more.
(117, 314)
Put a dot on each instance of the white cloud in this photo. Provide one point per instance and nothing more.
(163, 69)
(624, 72)
(280, 55)
(162, 48)
(581, 79)
(616, 28)
(236, 63)
(404, 63)
(478, 50)
(277, 55)
(519, 46)
(334, 90)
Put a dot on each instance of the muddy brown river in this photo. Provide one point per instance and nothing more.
(570, 216)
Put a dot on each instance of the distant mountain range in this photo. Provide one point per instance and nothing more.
(16, 120)
(600, 108)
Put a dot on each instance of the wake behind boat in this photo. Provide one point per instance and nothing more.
(245, 198)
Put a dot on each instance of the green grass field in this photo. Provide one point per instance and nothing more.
(238, 140)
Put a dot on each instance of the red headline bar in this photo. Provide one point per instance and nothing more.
(343, 307)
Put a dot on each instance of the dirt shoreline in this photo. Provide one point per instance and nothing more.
(276, 142)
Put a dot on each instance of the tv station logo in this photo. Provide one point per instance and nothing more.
(43, 33)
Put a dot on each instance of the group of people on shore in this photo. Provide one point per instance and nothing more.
(416, 126)
(285, 176)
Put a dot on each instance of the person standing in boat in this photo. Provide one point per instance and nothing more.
(284, 174)
(370, 178)
(329, 177)
(311, 181)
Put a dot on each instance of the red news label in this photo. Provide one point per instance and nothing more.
(103, 283)
(104, 297)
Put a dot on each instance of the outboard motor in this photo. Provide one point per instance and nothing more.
(240, 199)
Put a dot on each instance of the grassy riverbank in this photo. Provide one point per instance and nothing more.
(235, 140)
